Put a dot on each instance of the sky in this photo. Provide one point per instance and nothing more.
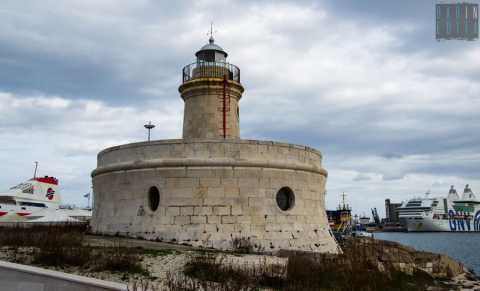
(394, 112)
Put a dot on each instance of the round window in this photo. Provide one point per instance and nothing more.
(285, 198)
(153, 198)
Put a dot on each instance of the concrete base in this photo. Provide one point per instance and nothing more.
(16, 277)
(213, 193)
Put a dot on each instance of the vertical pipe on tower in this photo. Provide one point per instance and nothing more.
(225, 106)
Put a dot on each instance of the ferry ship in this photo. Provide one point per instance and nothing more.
(452, 213)
(37, 200)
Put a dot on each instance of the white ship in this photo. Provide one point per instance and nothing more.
(452, 213)
(37, 200)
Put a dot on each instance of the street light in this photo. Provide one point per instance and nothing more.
(149, 127)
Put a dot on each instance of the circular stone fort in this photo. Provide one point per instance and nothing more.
(212, 189)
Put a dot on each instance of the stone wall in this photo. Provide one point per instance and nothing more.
(203, 116)
(241, 152)
(213, 193)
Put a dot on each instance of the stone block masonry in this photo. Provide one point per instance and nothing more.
(211, 202)
(211, 188)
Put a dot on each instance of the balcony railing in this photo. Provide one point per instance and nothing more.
(211, 70)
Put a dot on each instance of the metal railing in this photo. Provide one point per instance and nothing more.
(211, 70)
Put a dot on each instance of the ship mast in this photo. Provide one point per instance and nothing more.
(36, 168)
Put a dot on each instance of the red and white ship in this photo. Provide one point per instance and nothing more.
(37, 200)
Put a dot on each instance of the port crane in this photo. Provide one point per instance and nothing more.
(376, 218)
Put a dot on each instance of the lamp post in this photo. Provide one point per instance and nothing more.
(149, 127)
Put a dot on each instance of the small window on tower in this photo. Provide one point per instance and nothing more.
(153, 198)
(285, 198)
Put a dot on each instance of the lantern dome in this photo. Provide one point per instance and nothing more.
(211, 52)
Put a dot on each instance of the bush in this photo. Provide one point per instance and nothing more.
(118, 259)
(42, 235)
(62, 256)
(242, 245)
(63, 246)
(359, 268)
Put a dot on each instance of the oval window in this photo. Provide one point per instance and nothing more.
(153, 198)
(285, 198)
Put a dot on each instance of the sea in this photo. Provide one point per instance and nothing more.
(462, 246)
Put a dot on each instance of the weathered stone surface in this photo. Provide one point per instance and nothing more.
(214, 187)
(229, 201)
(203, 101)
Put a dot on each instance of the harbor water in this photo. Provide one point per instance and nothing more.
(463, 247)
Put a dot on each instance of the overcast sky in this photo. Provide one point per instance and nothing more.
(394, 112)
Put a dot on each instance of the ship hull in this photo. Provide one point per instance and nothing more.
(450, 214)
(37, 200)
(428, 224)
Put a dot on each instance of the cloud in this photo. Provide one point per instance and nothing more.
(393, 111)
(362, 177)
(66, 135)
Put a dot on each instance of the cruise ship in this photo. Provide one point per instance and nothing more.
(37, 200)
(453, 213)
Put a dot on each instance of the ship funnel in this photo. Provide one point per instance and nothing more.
(452, 194)
(468, 193)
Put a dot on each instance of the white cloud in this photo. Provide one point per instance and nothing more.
(358, 91)
(65, 136)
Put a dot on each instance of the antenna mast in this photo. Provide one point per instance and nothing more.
(35, 172)
(343, 199)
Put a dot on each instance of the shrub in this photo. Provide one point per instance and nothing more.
(359, 268)
(63, 245)
(62, 256)
(118, 259)
(242, 245)
(42, 235)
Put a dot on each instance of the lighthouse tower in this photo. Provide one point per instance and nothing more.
(211, 188)
(211, 90)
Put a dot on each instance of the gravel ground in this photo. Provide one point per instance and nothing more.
(160, 258)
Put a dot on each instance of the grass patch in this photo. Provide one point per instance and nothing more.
(209, 270)
(118, 259)
(156, 253)
(69, 235)
(63, 246)
(362, 267)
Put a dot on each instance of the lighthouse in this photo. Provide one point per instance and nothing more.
(211, 90)
(212, 188)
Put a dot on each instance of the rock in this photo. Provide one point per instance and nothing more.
(403, 258)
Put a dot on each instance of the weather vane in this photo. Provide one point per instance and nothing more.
(211, 32)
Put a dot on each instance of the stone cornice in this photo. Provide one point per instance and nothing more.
(202, 85)
(152, 164)
(208, 141)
